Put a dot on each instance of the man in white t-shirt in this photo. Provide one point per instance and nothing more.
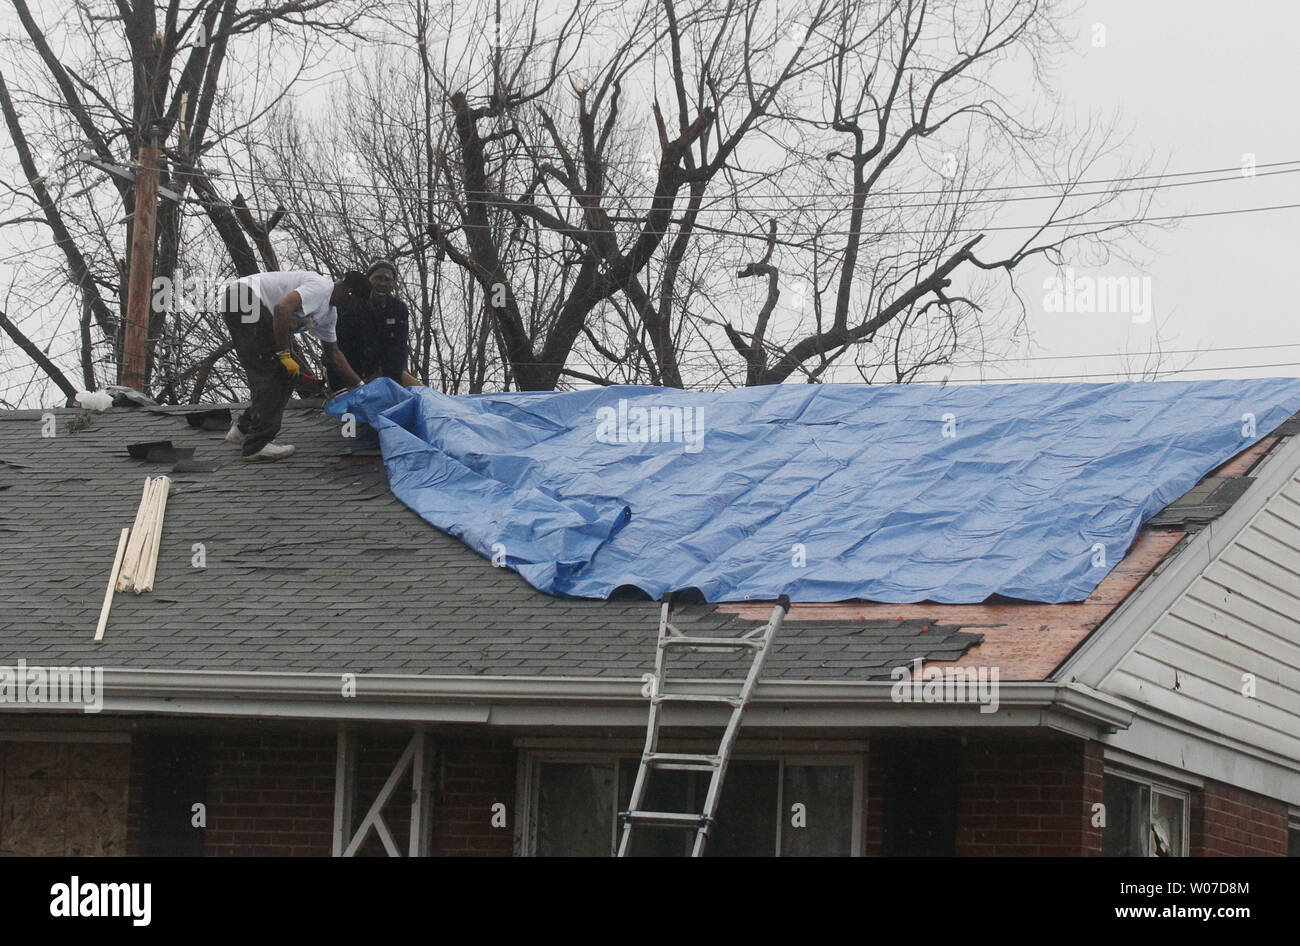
(263, 312)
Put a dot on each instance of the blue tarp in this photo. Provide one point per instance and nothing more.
(896, 493)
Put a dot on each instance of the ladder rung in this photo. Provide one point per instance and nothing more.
(682, 761)
(697, 757)
(696, 698)
(731, 643)
(664, 819)
(684, 766)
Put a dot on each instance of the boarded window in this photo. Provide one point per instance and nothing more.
(667, 791)
(824, 794)
(747, 811)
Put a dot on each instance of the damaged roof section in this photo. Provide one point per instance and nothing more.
(895, 493)
(1029, 641)
(1202, 504)
(313, 566)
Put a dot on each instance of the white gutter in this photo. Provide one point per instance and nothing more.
(584, 701)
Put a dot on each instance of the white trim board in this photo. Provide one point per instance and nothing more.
(1127, 761)
(1156, 743)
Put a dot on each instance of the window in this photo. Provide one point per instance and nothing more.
(575, 809)
(1293, 840)
(790, 807)
(1143, 819)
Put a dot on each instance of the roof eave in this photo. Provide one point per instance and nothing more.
(590, 701)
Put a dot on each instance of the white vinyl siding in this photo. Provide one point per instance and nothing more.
(1242, 615)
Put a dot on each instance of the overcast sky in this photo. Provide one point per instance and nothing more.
(1201, 84)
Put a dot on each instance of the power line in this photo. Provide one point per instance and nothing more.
(822, 232)
(361, 217)
(1112, 374)
(1028, 379)
(992, 229)
(1120, 354)
(28, 251)
(1009, 200)
(261, 177)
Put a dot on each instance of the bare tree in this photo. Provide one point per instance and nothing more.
(639, 198)
(357, 182)
(111, 75)
(510, 144)
(919, 93)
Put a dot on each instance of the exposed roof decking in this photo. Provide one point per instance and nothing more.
(1024, 641)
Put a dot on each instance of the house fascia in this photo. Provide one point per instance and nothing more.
(588, 702)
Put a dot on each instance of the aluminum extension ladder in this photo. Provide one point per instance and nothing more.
(759, 640)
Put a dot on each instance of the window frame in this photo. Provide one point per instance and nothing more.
(529, 783)
(1156, 786)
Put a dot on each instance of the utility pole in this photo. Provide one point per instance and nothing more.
(140, 279)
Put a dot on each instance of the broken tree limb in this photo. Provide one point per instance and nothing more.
(39, 357)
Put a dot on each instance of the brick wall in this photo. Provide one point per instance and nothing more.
(1230, 822)
(1029, 798)
(873, 843)
(270, 794)
(474, 775)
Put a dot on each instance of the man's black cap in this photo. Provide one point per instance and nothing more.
(382, 264)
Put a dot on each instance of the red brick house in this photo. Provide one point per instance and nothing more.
(319, 672)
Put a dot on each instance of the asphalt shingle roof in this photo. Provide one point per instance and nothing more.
(312, 565)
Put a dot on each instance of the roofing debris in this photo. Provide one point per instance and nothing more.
(141, 561)
(162, 451)
(136, 561)
(95, 400)
(215, 419)
(112, 585)
(158, 451)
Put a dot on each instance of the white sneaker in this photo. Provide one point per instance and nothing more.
(272, 451)
(234, 435)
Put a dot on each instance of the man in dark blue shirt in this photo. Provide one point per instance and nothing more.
(373, 332)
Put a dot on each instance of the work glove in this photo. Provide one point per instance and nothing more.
(290, 366)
